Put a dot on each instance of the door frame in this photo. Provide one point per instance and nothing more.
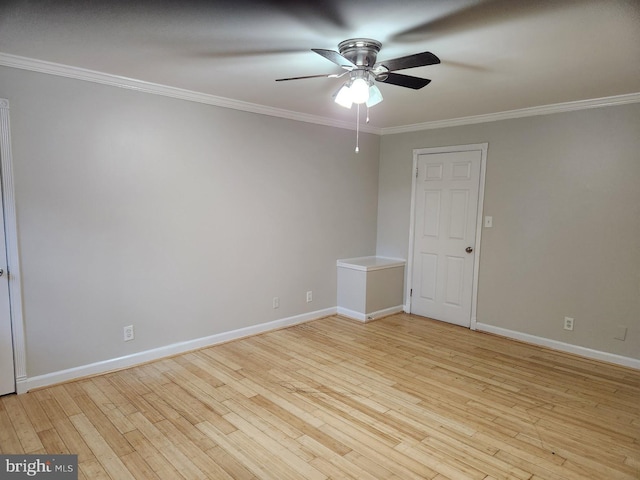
(482, 147)
(11, 240)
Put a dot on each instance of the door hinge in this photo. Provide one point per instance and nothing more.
(411, 292)
(416, 172)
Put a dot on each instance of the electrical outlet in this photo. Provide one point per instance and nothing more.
(568, 323)
(309, 296)
(276, 302)
(128, 333)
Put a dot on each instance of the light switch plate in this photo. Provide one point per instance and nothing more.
(488, 222)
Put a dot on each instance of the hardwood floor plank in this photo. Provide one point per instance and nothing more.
(152, 456)
(339, 466)
(102, 424)
(236, 449)
(93, 470)
(52, 442)
(274, 448)
(34, 411)
(329, 469)
(138, 467)
(193, 435)
(138, 402)
(378, 451)
(99, 391)
(196, 386)
(440, 463)
(101, 448)
(9, 441)
(174, 455)
(265, 412)
(60, 393)
(198, 457)
(22, 426)
(73, 440)
(230, 465)
(373, 469)
(280, 395)
(478, 456)
(305, 428)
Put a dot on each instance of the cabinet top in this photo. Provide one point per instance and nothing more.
(370, 263)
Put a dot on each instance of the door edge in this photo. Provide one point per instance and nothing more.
(11, 240)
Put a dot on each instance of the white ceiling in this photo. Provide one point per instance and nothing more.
(497, 55)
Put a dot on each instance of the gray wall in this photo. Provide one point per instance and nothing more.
(186, 219)
(564, 193)
(180, 218)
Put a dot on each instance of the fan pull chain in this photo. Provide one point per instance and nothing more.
(358, 130)
(367, 120)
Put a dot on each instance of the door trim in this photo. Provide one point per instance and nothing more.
(482, 147)
(11, 238)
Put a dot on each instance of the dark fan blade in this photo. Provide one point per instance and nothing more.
(410, 61)
(334, 57)
(403, 80)
(320, 15)
(481, 14)
(326, 75)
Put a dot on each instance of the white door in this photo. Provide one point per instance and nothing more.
(445, 205)
(7, 372)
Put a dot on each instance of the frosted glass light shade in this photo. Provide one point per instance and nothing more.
(359, 90)
(375, 96)
(343, 98)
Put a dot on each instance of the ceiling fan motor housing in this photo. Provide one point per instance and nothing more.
(360, 51)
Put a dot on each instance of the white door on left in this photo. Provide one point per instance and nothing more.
(7, 371)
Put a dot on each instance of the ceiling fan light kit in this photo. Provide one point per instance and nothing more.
(359, 90)
(357, 56)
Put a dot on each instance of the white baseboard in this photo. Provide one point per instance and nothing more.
(368, 317)
(23, 386)
(29, 383)
(563, 347)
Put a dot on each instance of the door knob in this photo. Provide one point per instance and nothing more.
(1, 272)
(468, 249)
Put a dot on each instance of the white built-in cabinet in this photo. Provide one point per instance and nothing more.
(370, 287)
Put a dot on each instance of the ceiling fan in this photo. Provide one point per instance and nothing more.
(357, 56)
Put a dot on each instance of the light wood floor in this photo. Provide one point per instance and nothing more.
(400, 398)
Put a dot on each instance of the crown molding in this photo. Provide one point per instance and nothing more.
(521, 113)
(77, 73)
